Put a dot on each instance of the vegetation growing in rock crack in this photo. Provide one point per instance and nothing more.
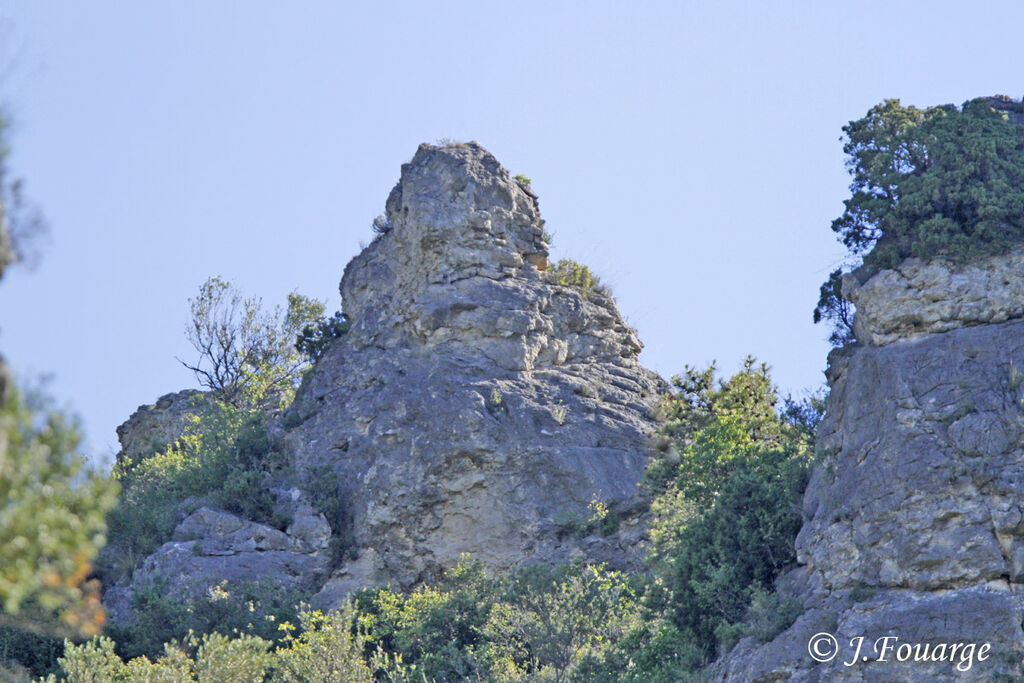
(224, 458)
(725, 516)
(569, 273)
(725, 513)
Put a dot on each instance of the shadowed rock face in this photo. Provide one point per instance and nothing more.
(914, 518)
(474, 407)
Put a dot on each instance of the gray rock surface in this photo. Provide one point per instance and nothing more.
(210, 547)
(924, 297)
(914, 518)
(151, 427)
(474, 407)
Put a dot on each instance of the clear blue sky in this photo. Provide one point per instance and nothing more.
(688, 152)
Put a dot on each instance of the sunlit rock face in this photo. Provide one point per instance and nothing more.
(919, 298)
(474, 407)
(914, 518)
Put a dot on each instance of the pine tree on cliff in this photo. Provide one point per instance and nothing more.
(937, 182)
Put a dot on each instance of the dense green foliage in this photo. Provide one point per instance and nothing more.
(727, 490)
(543, 624)
(315, 337)
(940, 181)
(51, 518)
(728, 508)
(936, 182)
(253, 609)
(325, 651)
(223, 458)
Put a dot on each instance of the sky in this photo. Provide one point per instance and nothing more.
(688, 152)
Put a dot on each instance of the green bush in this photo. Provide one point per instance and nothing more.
(436, 630)
(36, 652)
(253, 608)
(569, 273)
(328, 649)
(315, 337)
(224, 458)
(727, 513)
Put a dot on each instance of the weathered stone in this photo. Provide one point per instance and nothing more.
(210, 547)
(924, 297)
(474, 407)
(152, 427)
(913, 520)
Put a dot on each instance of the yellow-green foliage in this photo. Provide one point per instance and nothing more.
(245, 353)
(569, 273)
(223, 456)
(52, 511)
(327, 651)
(541, 625)
(214, 658)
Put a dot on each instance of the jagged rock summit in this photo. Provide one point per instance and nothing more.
(914, 516)
(475, 406)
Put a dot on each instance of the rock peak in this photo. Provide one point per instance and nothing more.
(476, 405)
(455, 214)
(461, 262)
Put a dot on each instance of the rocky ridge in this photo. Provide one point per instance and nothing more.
(475, 406)
(914, 521)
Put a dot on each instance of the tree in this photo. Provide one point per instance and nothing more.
(836, 309)
(728, 509)
(51, 521)
(52, 506)
(245, 353)
(940, 181)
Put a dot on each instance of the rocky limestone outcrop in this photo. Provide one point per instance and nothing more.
(151, 427)
(914, 516)
(212, 546)
(921, 297)
(474, 407)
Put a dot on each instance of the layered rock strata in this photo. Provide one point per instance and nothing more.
(914, 517)
(476, 406)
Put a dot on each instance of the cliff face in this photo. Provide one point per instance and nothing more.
(914, 516)
(474, 407)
